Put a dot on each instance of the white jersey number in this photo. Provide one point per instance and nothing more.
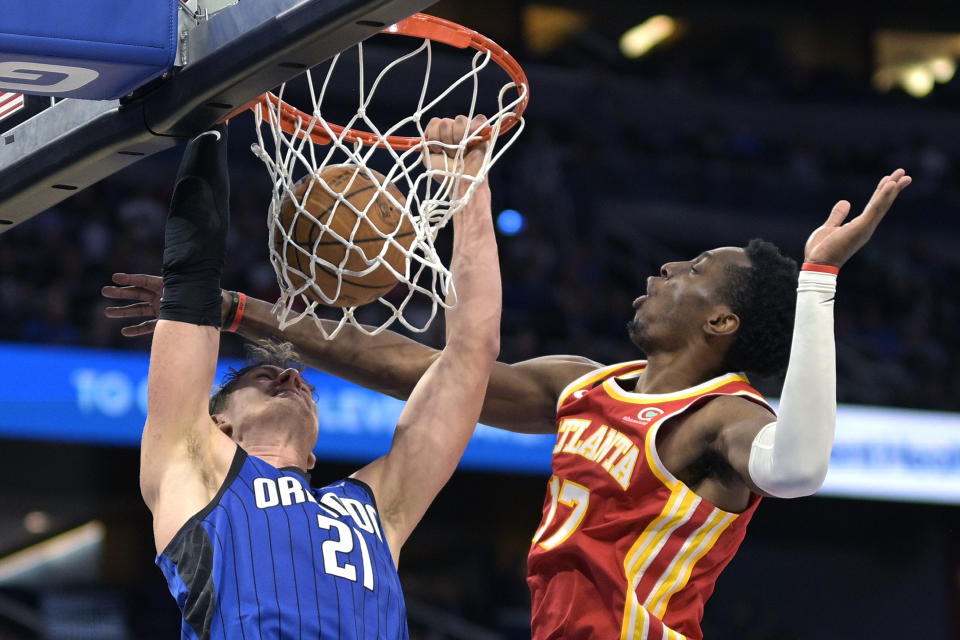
(344, 544)
(571, 494)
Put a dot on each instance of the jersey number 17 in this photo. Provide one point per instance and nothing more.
(569, 493)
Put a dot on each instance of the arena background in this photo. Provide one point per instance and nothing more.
(748, 121)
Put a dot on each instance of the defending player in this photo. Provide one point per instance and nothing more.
(659, 464)
(248, 548)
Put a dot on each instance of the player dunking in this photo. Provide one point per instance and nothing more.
(248, 548)
(659, 464)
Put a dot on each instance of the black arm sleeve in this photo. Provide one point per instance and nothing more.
(195, 237)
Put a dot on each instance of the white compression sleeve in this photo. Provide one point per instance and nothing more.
(789, 457)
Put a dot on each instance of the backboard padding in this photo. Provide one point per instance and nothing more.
(238, 54)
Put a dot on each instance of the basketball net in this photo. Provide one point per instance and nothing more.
(304, 142)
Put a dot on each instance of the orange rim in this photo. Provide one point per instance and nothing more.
(419, 25)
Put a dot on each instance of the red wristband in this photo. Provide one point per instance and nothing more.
(238, 315)
(822, 268)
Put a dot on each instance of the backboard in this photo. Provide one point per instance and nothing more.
(230, 58)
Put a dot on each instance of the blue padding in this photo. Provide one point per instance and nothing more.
(126, 43)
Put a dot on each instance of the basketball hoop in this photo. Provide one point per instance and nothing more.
(307, 143)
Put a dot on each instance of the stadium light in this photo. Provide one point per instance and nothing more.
(45, 556)
(943, 69)
(546, 28)
(915, 61)
(918, 80)
(37, 522)
(640, 39)
(510, 222)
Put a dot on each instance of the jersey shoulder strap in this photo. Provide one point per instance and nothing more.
(597, 376)
(739, 385)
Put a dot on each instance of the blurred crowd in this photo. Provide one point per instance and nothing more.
(590, 196)
(610, 186)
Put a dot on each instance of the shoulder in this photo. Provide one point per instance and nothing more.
(184, 493)
(590, 376)
(558, 367)
(720, 411)
(571, 371)
(350, 488)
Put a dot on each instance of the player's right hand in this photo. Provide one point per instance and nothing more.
(146, 290)
(835, 242)
(449, 133)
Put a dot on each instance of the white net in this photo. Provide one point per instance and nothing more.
(324, 256)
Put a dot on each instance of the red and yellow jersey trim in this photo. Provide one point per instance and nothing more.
(678, 509)
(632, 367)
(663, 558)
(704, 388)
(681, 567)
(676, 512)
(653, 458)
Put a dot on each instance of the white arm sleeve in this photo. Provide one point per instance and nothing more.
(789, 457)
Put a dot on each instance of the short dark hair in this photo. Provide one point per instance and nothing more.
(263, 352)
(764, 296)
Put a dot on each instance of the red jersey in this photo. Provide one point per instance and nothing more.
(625, 549)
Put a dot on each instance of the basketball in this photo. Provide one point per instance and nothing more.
(308, 237)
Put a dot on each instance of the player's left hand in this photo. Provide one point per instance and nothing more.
(834, 243)
(450, 132)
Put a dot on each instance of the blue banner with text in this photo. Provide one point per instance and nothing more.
(100, 397)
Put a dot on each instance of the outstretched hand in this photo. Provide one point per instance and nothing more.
(834, 243)
(146, 290)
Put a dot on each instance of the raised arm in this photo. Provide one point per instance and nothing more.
(176, 453)
(443, 409)
(789, 458)
(520, 397)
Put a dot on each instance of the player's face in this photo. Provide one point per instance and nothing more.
(270, 394)
(682, 299)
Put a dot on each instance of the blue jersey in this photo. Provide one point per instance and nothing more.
(270, 558)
